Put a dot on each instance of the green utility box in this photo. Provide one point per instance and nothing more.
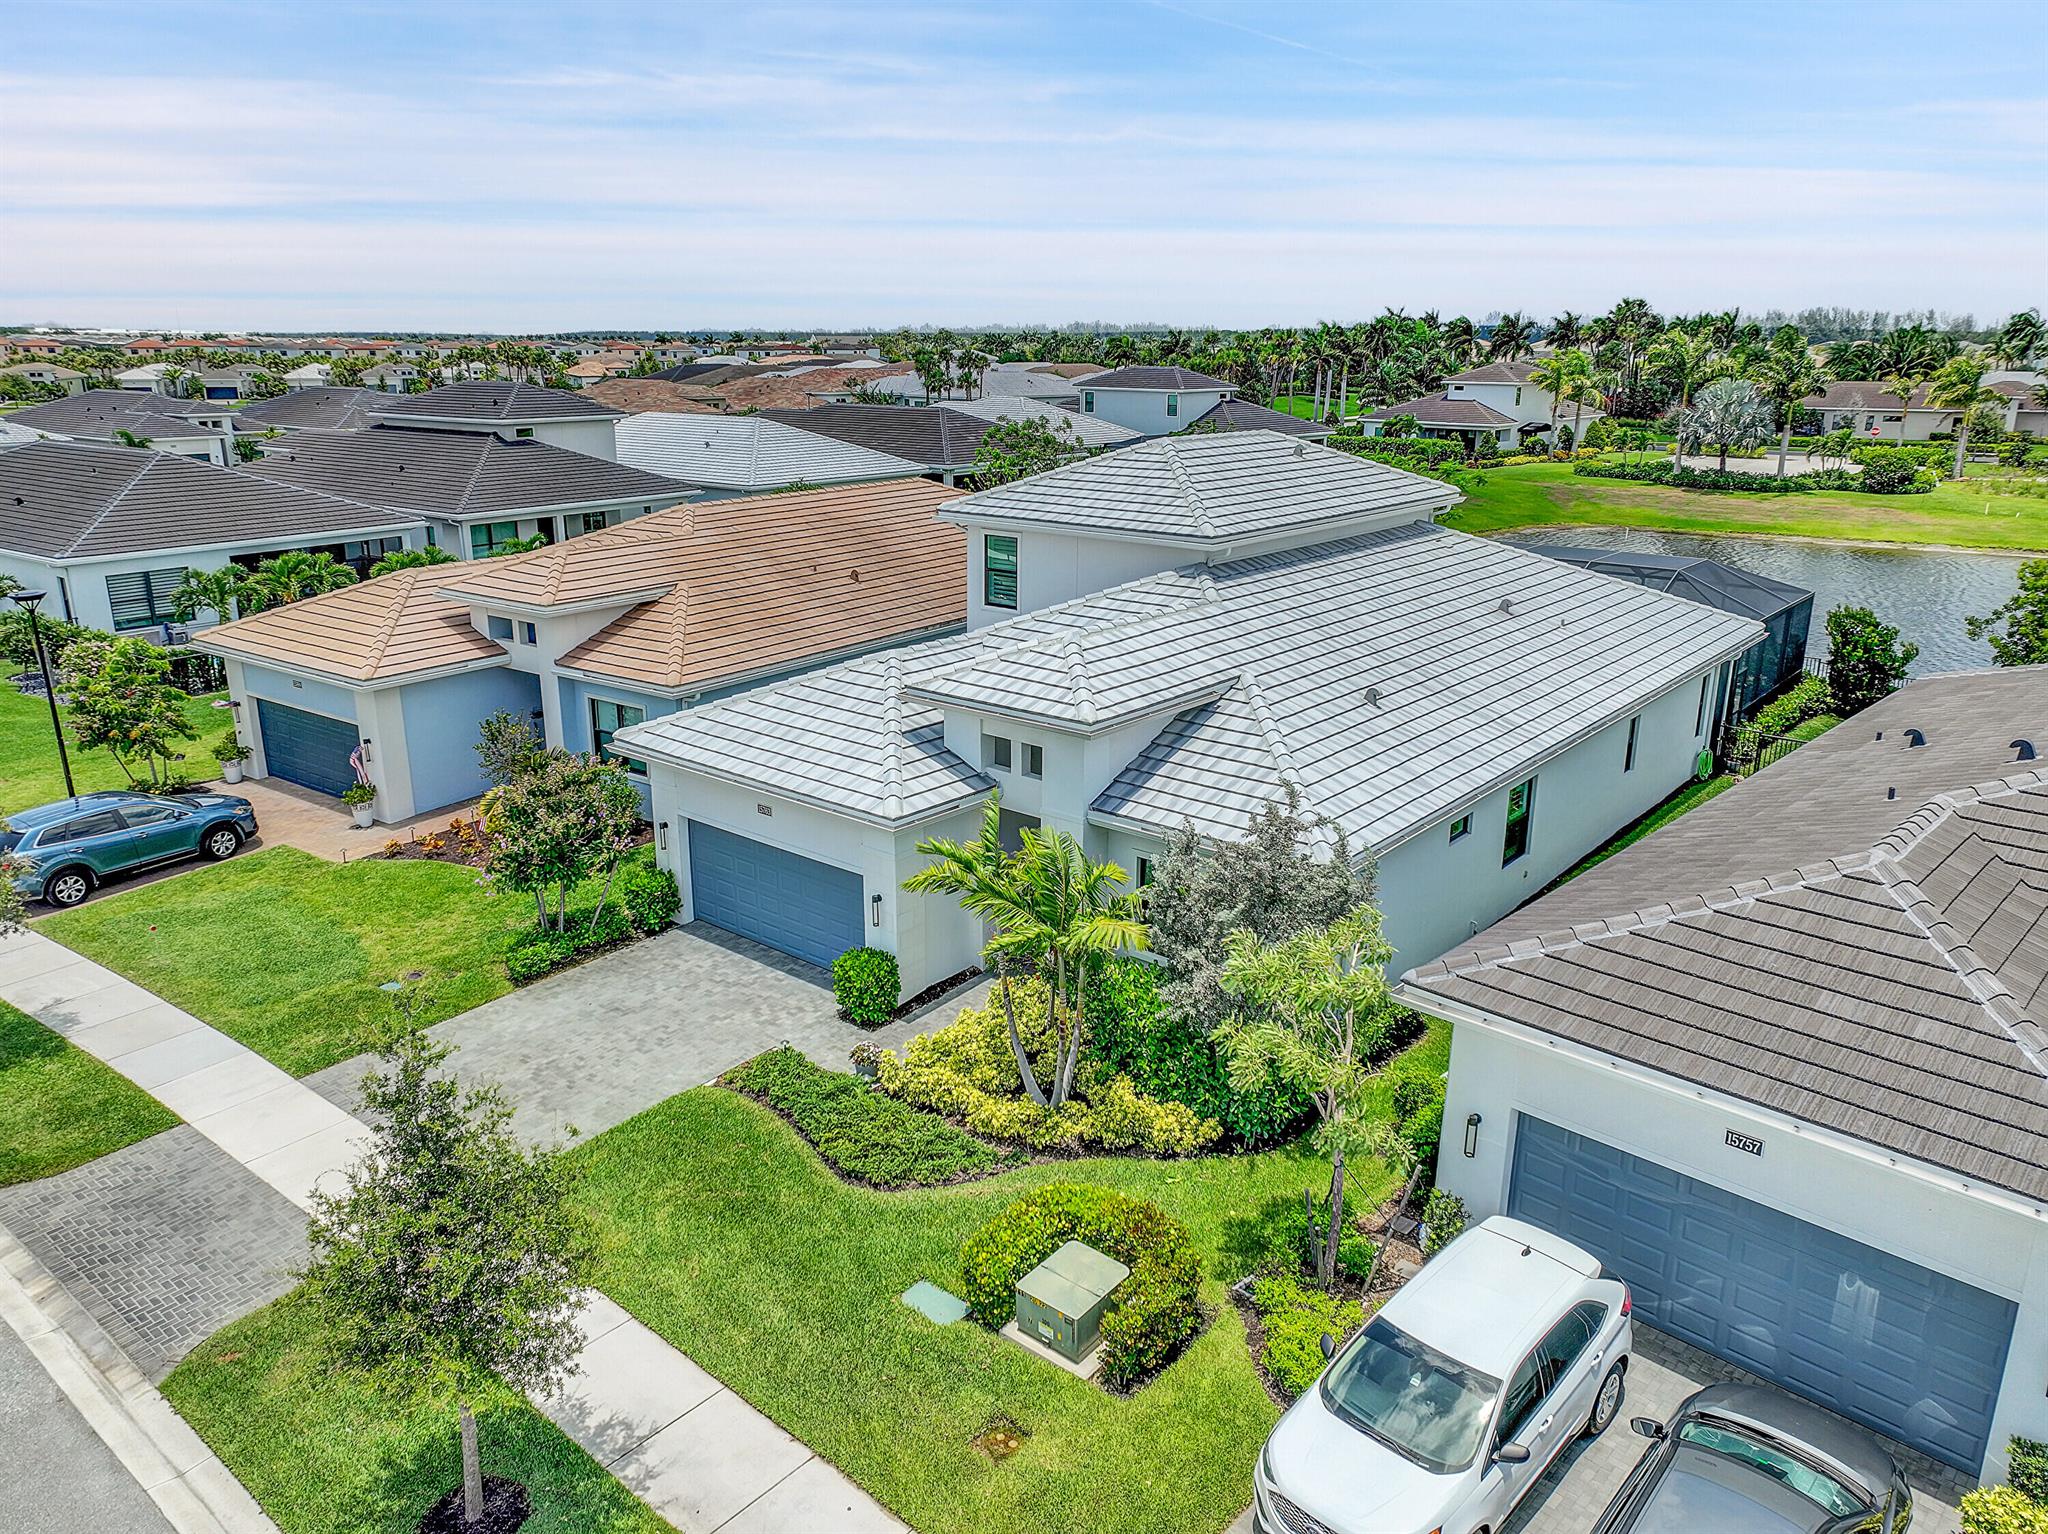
(1060, 1302)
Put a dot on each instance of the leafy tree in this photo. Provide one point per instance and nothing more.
(1729, 414)
(124, 702)
(1960, 387)
(1012, 450)
(411, 559)
(507, 745)
(2019, 339)
(1866, 661)
(296, 574)
(1055, 910)
(1290, 872)
(216, 591)
(129, 438)
(453, 1253)
(1317, 1014)
(1400, 427)
(565, 819)
(2017, 628)
(1786, 375)
(347, 372)
(1510, 337)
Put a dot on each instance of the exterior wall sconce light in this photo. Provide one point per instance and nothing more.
(1471, 1135)
(661, 835)
(875, 910)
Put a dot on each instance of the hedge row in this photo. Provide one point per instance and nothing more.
(1662, 471)
(1151, 1314)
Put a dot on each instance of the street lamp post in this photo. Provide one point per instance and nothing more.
(31, 600)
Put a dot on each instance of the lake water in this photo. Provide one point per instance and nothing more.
(1925, 593)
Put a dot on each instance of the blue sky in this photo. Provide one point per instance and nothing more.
(515, 165)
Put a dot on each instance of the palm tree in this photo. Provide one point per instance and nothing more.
(1959, 386)
(411, 559)
(1557, 375)
(216, 591)
(1730, 414)
(1785, 376)
(1565, 332)
(1509, 337)
(290, 576)
(2019, 339)
(1903, 380)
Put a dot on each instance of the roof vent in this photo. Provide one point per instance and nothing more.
(1507, 606)
(1300, 451)
(1372, 697)
(2023, 750)
(1915, 738)
(1891, 793)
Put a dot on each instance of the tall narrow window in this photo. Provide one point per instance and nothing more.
(1521, 807)
(999, 571)
(1034, 761)
(1699, 718)
(606, 719)
(1628, 757)
(1087, 402)
(1173, 404)
(995, 750)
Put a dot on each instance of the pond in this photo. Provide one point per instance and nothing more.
(1925, 592)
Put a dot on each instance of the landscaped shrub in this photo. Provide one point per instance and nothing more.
(1276, 1240)
(967, 1070)
(871, 1138)
(1662, 471)
(866, 983)
(1443, 1220)
(1922, 455)
(1169, 1058)
(1805, 699)
(2027, 1466)
(536, 953)
(1418, 1102)
(650, 896)
(1888, 470)
(1296, 1320)
(2003, 1510)
(1153, 1311)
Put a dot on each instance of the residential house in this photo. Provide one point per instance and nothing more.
(45, 348)
(512, 410)
(1169, 634)
(112, 531)
(1152, 400)
(185, 428)
(749, 454)
(844, 347)
(47, 375)
(631, 395)
(942, 440)
(1498, 400)
(1089, 431)
(321, 408)
(587, 637)
(1870, 409)
(902, 385)
(1780, 1066)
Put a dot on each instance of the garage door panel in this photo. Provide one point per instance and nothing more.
(309, 749)
(793, 904)
(1908, 1351)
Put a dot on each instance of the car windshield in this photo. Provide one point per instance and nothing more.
(1412, 1398)
(1779, 1464)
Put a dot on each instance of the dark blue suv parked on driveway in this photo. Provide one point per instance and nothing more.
(62, 852)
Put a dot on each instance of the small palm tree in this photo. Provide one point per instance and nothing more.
(222, 592)
(1557, 375)
(1728, 413)
(297, 574)
(1959, 386)
(411, 559)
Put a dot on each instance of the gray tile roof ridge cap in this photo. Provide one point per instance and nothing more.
(1065, 644)
(149, 458)
(1283, 758)
(892, 737)
(1206, 527)
(1916, 827)
(1985, 985)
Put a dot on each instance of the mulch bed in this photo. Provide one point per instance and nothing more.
(505, 1508)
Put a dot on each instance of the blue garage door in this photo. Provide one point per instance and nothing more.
(1901, 1348)
(795, 905)
(308, 749)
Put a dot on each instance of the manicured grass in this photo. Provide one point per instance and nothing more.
(725, 1233)
(59, 1107)
(285, 951)
(326, 1454)
(1303, 405)
(29, 771)
(1982, 511)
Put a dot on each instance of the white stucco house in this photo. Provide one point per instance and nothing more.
(1168, 634)
(748, 454)
(588, 637)
(1498, 400)
(1870, 409)
(47, 375)
(185, 428)
(1152, 400)
(1781, 1067)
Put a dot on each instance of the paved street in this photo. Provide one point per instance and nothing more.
(56, 1476)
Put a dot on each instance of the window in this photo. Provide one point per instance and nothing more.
(606, 719)
(1144, 872)
(1427, 1407)
(106, 823)
(995, 750)
(523, 431)
(999, 571)
(140, 815)
(597, 521)
(499, 628)
(486, 538)
(1461, 828)
(143, 599)
(1628, 757)
(1087, 402)
(528, 634)
(1521, 801)
(1034, 761)
(1699, 718)
(1173, 404)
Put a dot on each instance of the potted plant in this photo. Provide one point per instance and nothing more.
(232, 754)
(359, 797)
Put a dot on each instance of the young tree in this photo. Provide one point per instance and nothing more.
(1557, 376)
(1289, 873)
(2017, 628)
(1318, 1015)
(1013, 450)
(565, 819)
(216, 591)
(1866, 661)
(124, 702)
(507, 746)
(411, 559)
(1960, 387)
(452, 1254)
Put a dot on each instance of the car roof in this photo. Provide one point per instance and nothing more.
(1854, 1451)
(64, 809)
(1489, 1296)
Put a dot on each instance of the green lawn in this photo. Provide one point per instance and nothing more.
(725, 1233)
(285, 951)
(1303, 405)
(1981, 511)
(59, 1107)
(325, 1454)
(29, 772)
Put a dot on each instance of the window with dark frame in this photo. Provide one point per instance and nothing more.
(142, 598)
(607, 719)
(1461, 828)
(1173, 404)
(1521, 805)
(999, 571)
(1699, 718)
(1628, 757)
(1034, 761)
(486, 538)
(995, 750)
(1144, 872)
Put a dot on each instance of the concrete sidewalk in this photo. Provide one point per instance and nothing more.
(691, 1449)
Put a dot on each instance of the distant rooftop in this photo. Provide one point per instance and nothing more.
(500, 401)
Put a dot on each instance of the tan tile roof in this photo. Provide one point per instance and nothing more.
(379, 630)
(801, 391)
(637, 394)
(751, 390)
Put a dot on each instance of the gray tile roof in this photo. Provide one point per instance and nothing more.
(1440, 410)
(1806, 941)
(79, 500)
(98, 413)
(500, 400)
(1265, 667)
(933, 435)
(320, 409)
(748, 452)
(1211, 489)
(1685, 575)
(1153, 378)
(1089, 430)
(1243, 415)
(1496, 372)
(457, 473)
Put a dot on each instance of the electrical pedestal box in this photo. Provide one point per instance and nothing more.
(1060, 1302)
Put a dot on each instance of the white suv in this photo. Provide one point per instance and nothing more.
(1450, 1405)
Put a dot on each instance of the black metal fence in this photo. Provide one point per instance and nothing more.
(1744, 751)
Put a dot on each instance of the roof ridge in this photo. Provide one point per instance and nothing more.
(892, 737)
(402, 589)
(1283, 757)
(476, 469)
(1187, 485)
(1984, 983)
(107, 510)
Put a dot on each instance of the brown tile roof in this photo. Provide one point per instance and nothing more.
(800, 392)
(753, 585)
(395, 626)
(636, 394)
